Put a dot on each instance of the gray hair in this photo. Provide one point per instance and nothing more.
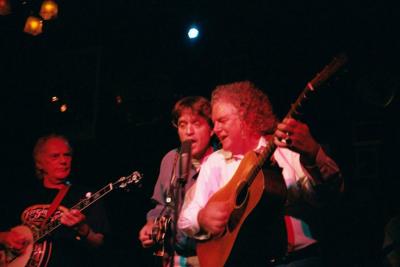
(38, 149)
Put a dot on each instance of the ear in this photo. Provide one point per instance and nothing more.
(38, 165)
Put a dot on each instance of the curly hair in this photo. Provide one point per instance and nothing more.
(38, 149)
(197, 104)
(253, 105)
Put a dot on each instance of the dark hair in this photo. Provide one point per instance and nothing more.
(197, 104)
(40, 143)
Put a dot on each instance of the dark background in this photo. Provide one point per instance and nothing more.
(138, 50)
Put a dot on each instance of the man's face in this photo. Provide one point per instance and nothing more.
(227, 126)
(55, 160)
(195, 128)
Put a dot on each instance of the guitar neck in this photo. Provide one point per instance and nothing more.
(270, 148)
(81, 205)
(294, 110)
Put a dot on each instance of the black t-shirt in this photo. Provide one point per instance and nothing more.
(66, 249)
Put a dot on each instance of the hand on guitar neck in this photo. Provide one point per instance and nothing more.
(73, 218)
(214, 217)
(296, 136)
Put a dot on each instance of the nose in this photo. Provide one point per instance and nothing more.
(217, 127)
(64, 159)
(189, 129)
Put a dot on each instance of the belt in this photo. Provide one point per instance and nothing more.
(310, 251)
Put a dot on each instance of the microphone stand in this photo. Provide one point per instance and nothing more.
(178, 190)
(178, 193)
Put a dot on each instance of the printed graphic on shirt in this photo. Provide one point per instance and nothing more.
(36, 214)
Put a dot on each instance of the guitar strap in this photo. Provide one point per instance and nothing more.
(56, 202)
(170, 194)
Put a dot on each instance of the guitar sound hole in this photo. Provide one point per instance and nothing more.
(242, 194)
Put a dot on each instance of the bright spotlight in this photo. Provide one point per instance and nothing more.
(193, 33)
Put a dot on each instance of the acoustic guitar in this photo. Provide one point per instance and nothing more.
(246, 187)
(38, 250)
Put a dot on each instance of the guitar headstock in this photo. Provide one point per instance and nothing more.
(134, 178)
(328, 71)
(317, 81)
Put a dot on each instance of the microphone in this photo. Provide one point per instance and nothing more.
(185, 161)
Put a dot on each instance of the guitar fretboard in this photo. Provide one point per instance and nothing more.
(310, 87)
(81, 205)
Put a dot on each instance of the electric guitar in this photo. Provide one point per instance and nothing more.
(246, 187)
(38, 250)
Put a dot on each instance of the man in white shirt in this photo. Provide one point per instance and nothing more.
(244, 121)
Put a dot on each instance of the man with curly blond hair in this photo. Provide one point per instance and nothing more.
(244, 121)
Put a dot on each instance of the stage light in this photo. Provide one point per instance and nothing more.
(118, 99)
(63, 107)
(193, 33)
(5, 8)
(48, 10)
(54, 99)
(33, 25)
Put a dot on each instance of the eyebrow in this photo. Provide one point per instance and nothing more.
(223, 117)
(189, 121)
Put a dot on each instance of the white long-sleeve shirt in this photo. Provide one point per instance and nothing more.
(219, 168)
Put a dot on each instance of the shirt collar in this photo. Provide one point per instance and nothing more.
(262, 143)
(197, 163)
